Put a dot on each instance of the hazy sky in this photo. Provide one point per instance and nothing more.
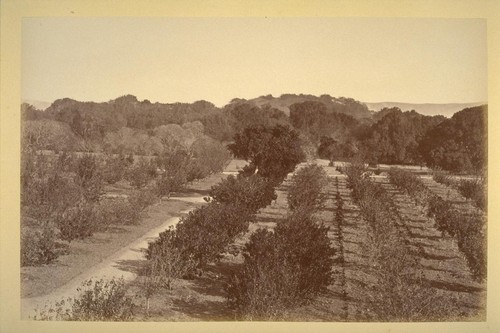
(217, 59)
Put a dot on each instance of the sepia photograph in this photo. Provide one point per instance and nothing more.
(272, 169)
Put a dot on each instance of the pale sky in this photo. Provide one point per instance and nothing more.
(216, 59)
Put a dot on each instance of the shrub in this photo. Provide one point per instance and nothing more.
(305, 192)
(78, 222)
(140, 174)
(117, 211)
(282, 269)
(207, 231)
(445, 217)
(473, 189)
(171, 181)
(468, 229)
(356, 173)
(98, 300)
(38, 246)
(443, 178)
(410, 184)
(199, 238)
(114, 168)
(407, 181)
(167, 257)
(253, 192)
(142, 199)
(89, 177)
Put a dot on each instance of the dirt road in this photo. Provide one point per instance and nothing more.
(113, 266)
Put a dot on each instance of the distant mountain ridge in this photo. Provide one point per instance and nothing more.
(40, 105)
(349, 106)
(344, 105)
(427, 109)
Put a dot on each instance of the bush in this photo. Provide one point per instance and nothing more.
(171, 181)
(142, 199)
(407, 181)
(282, 269)
(253, 192)
(410, 184)
(168, 258)
(473, 189)
(78, 222)
(114, 169)
(199, 238)
(468, 229)
(356, 173)
(98, 300)
(140, 174)
(443, 178)
(117, 211)
(207, 231)
(38, 246)
(89, 177)
(305, 192)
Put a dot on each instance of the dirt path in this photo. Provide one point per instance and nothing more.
(116, 265)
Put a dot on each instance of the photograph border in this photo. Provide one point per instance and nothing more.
(12, 12)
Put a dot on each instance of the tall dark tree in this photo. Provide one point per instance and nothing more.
(273, 152)
(458, 144)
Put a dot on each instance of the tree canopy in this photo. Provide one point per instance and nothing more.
(273, 152)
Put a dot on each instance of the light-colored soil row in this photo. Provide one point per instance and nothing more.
(443, 266)
(356, 265)
(449, 193)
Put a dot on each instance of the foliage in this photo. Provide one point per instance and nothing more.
(469, 230)
(458, 144)
(443, 178)
(273, 152)
(89, 177)
(98, 300)
(78, 222)
(242, 115)
(141, 199)
(398, 293)
(473, 189)
(394, 139)
(409, 183)
(199, 238)
(282, 269)
(316, 120)
(305, 192)
(253, 192)
(38, 246)
(209, 156)
(115, 168)
(141, 173)
(48, 134)
(357, 173)
(207, 231)
(117, 211)
(167, 257)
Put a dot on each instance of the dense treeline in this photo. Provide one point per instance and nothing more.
(330, 127)
(458, 144)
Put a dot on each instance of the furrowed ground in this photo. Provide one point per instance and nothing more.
(353, 295)
(443, 270)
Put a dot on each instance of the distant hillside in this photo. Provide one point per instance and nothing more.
(427, 109)
(344, 105)
(40, 105)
